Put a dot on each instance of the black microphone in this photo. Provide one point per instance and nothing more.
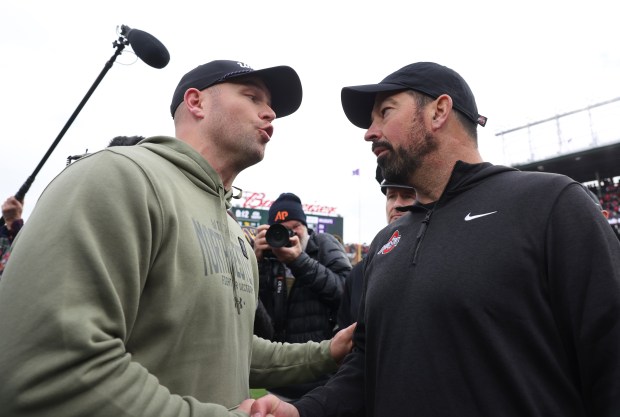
(147, 47)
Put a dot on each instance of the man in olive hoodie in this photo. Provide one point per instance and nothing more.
(131, 292)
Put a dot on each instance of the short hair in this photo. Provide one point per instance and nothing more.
(470, 127)
(125, 140)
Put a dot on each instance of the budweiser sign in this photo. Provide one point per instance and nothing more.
(254, 200)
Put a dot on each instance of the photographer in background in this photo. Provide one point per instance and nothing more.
(12, 213)
(301, 282)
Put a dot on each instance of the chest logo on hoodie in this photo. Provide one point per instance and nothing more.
(387, 248)
(243, 250)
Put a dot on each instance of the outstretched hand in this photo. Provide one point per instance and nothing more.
(342, 343)
(272, 406)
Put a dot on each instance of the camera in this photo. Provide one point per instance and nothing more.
(278, 236)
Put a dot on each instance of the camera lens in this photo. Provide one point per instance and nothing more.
(278, 236)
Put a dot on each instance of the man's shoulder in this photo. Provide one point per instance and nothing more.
(537, 176)
(324, 238)
(531, 181)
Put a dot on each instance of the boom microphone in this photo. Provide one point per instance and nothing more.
(147, 47)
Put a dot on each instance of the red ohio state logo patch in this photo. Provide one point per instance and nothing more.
(387, 248)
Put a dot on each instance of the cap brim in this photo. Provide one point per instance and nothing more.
(385, 185)
(358, 101)
(285, 88)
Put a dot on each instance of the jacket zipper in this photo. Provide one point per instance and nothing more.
(420, 236)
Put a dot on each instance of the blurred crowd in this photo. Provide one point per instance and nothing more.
(609, 197)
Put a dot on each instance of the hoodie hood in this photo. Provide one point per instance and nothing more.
(190, 163)
(465, 176)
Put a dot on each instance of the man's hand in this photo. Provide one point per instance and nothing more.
(260, 243)
(287, 254)
(246, 405)
(272, 406)
(11, 210)
(342, 343)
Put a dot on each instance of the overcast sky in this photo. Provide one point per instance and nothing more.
(525, 61)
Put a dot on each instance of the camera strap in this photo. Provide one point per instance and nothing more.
(279, 303)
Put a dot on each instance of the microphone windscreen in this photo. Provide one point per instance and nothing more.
(148, 48)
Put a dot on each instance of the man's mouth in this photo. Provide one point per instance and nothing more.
(268, 130)
(378, 148)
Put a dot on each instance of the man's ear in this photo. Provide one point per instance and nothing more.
(193, 100)
(442, 107)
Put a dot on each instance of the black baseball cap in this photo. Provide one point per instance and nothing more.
(385, 184)
(426, 77)
(282, 81)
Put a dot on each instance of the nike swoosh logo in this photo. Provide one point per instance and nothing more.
(470, 217)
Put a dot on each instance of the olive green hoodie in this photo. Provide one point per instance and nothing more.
(131, 292)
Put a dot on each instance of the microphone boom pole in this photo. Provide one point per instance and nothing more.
(120, 46)
(26, 186)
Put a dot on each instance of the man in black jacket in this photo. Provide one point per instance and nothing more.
(301, 283)
(397, 198)
(498, 295)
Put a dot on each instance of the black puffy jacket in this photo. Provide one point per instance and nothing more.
(311, 307)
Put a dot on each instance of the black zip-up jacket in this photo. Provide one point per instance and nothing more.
(503, 299)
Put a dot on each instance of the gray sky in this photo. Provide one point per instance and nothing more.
(525, 61)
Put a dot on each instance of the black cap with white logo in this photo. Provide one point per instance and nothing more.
(282, 81)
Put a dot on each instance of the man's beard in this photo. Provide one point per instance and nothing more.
(303, 239)
(399, 165)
